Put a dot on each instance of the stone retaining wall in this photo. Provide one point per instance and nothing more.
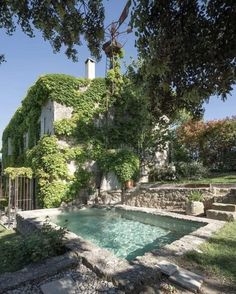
(166, 197)
(110, 197)
(162, 198)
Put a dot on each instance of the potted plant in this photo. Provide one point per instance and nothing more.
(194, 204)
(129, 184)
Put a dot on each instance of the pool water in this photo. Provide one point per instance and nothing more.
(126, 234)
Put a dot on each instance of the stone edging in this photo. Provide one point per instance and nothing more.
(186, 243)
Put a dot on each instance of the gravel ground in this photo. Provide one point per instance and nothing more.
(86, 282)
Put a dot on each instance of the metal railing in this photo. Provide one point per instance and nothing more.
(20, 193)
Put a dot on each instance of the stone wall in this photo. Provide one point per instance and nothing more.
(167, 198)
(162, 198)
(61, 111)
(110, 197)
(51, 112)
(47, 119)
(225, 195)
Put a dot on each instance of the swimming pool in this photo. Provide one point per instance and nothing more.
(127, 234)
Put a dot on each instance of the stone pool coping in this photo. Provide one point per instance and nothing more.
(129, 276)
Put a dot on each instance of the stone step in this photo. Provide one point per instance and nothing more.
(221, 215)
(224, 207)
(187, 280)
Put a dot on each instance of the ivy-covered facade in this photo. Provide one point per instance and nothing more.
(77, 139)
(73, 131)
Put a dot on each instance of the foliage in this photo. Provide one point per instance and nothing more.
(18, 251)
(62, 23)
(195, 196)
(88, 104)
(107, 114)
(217, 256)
(83, 181)
(65, 126)
(163, 173)
(134, 123)
(51, 193)
(50, 167)
(195, 40)
(55, 87)
(3, 203)
(114, 77)
(14, 172)
(46, 158)
(190, 170)
(124, 163)
(196, 51)
(213, 142)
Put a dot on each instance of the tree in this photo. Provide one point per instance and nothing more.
(188, 50)
(188, 47)
(62, 23)
(214, 142)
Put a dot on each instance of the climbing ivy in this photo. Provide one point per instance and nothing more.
(60, 88)
(14, 172)
(108, 114)
(124, 163)
(49, 164)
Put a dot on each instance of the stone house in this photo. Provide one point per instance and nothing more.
(51, 111)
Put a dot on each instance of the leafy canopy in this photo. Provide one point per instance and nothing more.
(188, 50)
(62, 23)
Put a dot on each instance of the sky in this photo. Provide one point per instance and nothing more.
(27, 59)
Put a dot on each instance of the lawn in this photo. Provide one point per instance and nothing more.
(218, 257)
(221, 178)
(214, 178)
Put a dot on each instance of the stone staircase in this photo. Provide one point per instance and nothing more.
(222, 211)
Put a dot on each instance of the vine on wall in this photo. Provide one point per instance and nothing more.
(14, 172)
(108, 114)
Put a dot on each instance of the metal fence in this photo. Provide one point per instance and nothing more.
(20, 192)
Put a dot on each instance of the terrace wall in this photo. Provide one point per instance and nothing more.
(168, 198)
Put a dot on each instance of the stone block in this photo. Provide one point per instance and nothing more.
(195, 208)
(221, 215)
(63, 286)
(167, 268)
(224, 207)
(187, 280)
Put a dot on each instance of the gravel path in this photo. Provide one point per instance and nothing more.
(86, 282)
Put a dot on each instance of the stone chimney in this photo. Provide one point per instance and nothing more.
(90, 69)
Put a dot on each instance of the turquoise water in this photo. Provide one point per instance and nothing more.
(124, 233)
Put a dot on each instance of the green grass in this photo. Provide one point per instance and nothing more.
(218, 257)
(227, 178)
(214, 178)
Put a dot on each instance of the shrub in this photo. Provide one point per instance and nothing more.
(191, 170)
(3, 203)
(162, 173)
(195, 196)
(20, 251)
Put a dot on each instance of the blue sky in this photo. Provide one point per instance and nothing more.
(27, 59)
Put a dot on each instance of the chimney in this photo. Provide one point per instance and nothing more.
(90, 69)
